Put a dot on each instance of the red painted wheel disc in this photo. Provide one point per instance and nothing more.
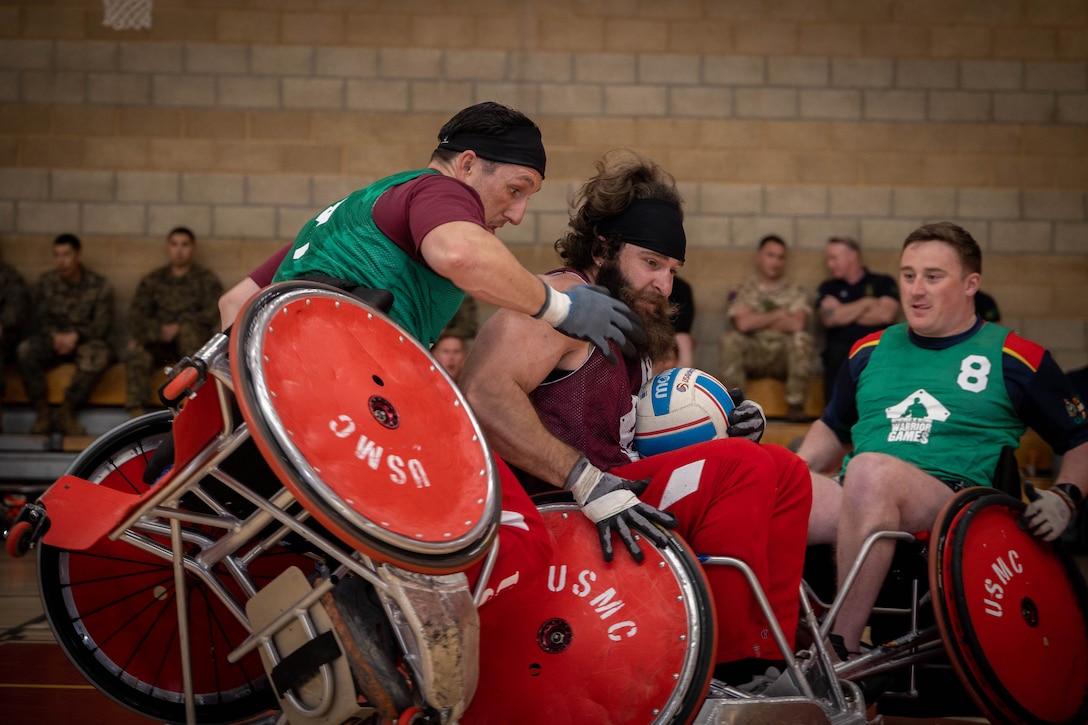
(596, 642)
(360, 423)
(1014, 615)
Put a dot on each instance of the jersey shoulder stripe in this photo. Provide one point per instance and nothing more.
(870, 340)
(1026, 351)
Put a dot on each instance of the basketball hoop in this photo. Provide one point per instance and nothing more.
(127, 14)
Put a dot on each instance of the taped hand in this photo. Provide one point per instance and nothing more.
(612, 504)
(1048, 513)
(746, 420)
(588, 312)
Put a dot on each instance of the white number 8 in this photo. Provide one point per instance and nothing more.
(974, 373)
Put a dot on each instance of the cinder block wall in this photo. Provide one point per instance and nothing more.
(808, 118)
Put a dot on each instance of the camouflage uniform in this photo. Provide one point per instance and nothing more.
(85, 307)
(769, 353)
(12, 315)
(191, 301)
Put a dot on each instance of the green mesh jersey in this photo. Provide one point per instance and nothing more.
(946, 411)
(343, 241)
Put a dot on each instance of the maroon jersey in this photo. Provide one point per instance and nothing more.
(405, 214)
(731, 497)
(611, 391)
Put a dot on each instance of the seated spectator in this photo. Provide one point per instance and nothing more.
(13, 309)
(174, 312)
(682, 322)
(450, 350)
(73, 313)
(770, 336)
(453, 342)
(850, 305)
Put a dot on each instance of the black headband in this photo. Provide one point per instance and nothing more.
(520, 145)
(653, 224)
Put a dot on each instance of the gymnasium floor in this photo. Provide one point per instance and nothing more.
(38, 685)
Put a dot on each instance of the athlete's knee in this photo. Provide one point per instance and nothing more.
(869, 479)
(788, 463)
(739, 456)
(793, 480)
(743, 447)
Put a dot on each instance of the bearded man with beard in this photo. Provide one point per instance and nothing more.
(563, 415)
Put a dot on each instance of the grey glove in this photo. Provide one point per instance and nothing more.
(612, 504)
(1048, 513)
(588, 312)
(746, 420)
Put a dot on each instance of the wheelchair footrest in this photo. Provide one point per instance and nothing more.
(308, 690)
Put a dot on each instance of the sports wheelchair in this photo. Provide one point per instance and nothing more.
(976, 617)
(298, 554)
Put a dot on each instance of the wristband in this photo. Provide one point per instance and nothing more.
(555, 308)
(581, 479)
(1072, 495)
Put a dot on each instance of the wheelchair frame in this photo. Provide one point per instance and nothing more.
(169, 522)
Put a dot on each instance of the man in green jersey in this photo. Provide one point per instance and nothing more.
(928, 406)
(428, 237)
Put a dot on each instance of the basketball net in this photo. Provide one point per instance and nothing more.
(127, 14)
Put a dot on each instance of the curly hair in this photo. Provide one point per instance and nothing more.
(622, 176)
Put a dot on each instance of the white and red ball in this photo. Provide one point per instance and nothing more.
(680, 407)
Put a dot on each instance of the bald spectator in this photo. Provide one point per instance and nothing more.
(852, 304)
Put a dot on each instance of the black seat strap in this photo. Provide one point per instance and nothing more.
(304, 662)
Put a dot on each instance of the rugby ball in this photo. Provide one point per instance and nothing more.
(680, 407)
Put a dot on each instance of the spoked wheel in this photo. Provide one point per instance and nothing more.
(597, 642)
(1013, 612)
(113, 609)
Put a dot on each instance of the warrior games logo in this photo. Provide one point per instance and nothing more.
(912, 418)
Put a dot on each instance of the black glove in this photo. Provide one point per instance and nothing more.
(746, 420)
(612, 504)
(588, 312)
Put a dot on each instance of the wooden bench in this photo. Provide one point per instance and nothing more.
(771, 394)
(108, 391)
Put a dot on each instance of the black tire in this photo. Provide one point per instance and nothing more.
(124, 642)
